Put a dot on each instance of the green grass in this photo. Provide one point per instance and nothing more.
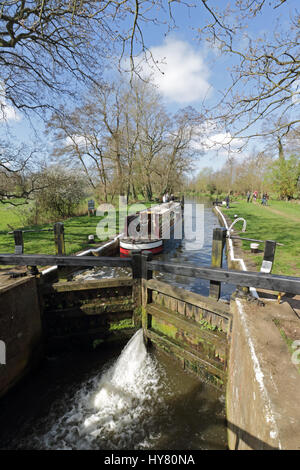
(289, 208)
(263, 224)
(76, 229)
(9, 216)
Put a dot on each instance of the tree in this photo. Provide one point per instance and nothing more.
(18, 178)
(62, 191)
(238, 176)
(123, 139)
(153, 127)
(284, 175)
(47, 46)
(266, 76)
(179, 152)
(79, 140)
(91, 135)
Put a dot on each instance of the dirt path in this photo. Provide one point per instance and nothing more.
(282, 214)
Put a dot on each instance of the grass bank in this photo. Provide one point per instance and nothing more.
(76, 229)
(279, 221)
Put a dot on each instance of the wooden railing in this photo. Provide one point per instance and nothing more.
(56, 260)
(142, 263)
(242, 278)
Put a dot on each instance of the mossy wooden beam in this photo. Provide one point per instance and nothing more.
(202, 366)
(86, 285)
(220, 308)
(94, 308)
(187, 325)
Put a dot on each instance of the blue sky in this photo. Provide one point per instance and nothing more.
(193, 72)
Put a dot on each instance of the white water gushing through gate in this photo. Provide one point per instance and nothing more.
(113, 411)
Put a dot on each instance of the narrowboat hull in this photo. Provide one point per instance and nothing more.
(127, 245)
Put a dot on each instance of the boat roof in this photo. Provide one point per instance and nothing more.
(162, 208)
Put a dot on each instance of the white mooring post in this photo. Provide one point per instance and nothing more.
(269, 255)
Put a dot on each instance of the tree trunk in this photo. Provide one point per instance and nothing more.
(120, 175)
(280, 149)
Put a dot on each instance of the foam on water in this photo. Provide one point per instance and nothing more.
(113, 411)
(106, 272)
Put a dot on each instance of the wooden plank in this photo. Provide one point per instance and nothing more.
(93, 309)
(146, 296)
(53, 260)
(86, 285)
(190, 326)
(136, 257)
(243, 278)
(192, 298)
(170, 346)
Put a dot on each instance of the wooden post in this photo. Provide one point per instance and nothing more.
(146, 275)
(19, 242)
(137, 286)
(219, 239)
(59, 238)
(269, 255)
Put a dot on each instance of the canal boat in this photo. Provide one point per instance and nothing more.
(148, 230)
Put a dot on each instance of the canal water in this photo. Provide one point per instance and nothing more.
(119, 399)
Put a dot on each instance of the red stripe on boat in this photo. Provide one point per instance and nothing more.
(125, 253)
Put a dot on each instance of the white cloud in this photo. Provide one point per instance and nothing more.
(208, 137)
(76, 139)
(220, 140)
(7, 112)
(185, 74)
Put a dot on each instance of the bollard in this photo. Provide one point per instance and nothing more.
(19, 242)
(269, 255)
(59, 238)
(219, 239)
